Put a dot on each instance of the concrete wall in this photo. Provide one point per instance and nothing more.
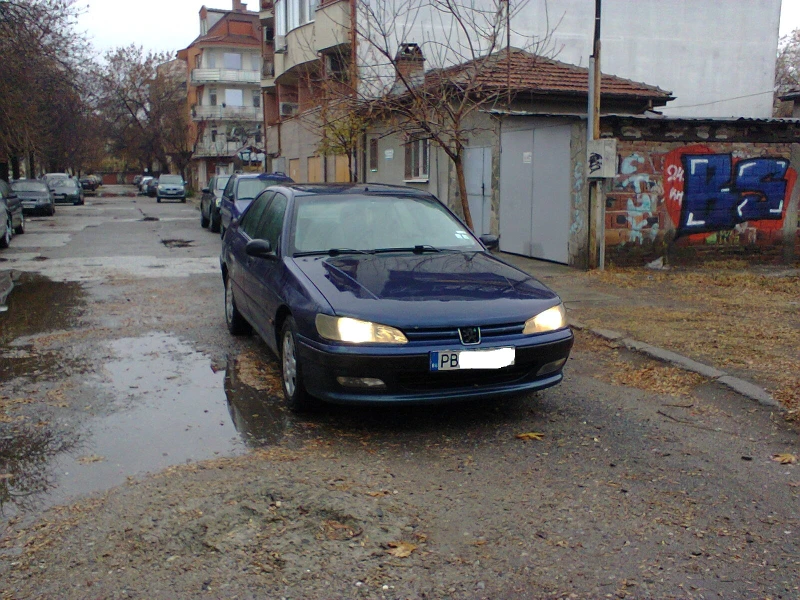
(717, 58)
(690, 201)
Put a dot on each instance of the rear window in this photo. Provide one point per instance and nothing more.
(171, 179)
(250, 188)
(29, 186)
(221, 182)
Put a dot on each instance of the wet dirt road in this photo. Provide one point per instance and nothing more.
(115, 362)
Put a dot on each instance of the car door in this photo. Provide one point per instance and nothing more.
(239, 263)
(266, 275)
(13, 204)
(226, 205)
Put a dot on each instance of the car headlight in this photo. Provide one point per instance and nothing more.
(548, 320)
(347, 329)
(217, 201)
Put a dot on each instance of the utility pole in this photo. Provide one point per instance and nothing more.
(596, 201)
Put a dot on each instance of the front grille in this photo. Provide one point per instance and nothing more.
(441, 380)
(448, 334)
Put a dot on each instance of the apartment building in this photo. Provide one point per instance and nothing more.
(224, 92)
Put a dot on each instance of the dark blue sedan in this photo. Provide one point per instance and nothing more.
(240, 191)
(374, 293)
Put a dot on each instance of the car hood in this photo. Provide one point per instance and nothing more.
(411, 290)
(32, 195)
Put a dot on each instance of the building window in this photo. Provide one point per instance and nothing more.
(416, 157)
(257, 98)
(234, 97)
(373, 155)
(212, 96)
(213, 135)
(233, 60)
(211, 60)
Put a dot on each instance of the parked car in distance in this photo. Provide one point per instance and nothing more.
(371, 293)
(171, 187)
(143, 184)
(151, 187)
(137, 179)
(240, 191)
(49, 178)
(210, 201)
(12, 220)
(66, 190)
(35, 196)
(88, 183)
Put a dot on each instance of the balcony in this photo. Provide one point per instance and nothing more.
(223, 113)
(218, 148)
(201, 76)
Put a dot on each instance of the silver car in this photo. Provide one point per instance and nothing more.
(36, 197)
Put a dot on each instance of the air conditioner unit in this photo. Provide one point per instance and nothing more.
(288, 109)
(280, 43)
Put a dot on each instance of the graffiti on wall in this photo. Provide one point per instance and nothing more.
(701, 193)
(707, 192)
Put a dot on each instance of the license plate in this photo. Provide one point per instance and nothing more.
(454, 360)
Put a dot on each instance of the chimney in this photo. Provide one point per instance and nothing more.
(238, 6)
(409, 63)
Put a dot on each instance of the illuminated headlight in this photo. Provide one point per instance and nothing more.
(547, 320)
(161, 188)
(217, 201)
(346, 329)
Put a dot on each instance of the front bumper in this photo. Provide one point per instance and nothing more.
(35, 206)
(173, 194)
(66, 199)
(405, 370)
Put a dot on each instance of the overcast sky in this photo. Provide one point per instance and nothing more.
(169, 25)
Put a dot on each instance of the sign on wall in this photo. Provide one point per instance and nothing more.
(601, 159)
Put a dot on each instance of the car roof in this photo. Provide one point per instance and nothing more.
(271, 176)
(328, 189)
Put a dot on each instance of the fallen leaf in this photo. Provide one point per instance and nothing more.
(530, 436)
(379, 494)
(6, 476)
(84, 460)
(401, 549)
(785, 458)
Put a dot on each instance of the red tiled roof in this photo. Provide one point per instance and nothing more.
(537, 74)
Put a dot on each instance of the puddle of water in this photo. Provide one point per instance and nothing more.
(169, 408)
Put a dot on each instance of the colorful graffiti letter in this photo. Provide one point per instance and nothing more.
(718, 195)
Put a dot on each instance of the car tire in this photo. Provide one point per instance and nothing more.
(213, 224)
(221, 231)
(183, 200)
(158, 199)
(203, 219)
(297, 398)
(52, 210)
(5, 239)
(237, 324)
(21, 228)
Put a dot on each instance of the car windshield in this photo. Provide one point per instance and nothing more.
(171, 179)
(222, 182)
(368, 223)
(251, 187)
(59, 182)
(29, 186)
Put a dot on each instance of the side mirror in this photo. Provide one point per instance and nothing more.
(259, 249)
(205, 190)
(492, 242)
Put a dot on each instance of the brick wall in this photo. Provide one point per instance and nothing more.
(692, 201)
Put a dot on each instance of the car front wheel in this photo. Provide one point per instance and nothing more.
(203, 219)
(20, 229)
(236, 323)
(297, 398)
(158, 199)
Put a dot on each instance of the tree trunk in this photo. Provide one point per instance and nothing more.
(462, 190)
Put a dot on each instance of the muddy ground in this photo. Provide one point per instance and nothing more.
(643, 481)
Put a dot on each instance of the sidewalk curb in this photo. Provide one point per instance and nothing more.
(740, 386)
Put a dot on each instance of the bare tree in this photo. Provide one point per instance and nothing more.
(43, 62)
(787, 68)
(466, 45)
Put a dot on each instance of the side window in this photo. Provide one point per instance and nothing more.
(252, 218)
(271, 223)
(228, 193)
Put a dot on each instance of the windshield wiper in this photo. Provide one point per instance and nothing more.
(333, 252)
(418, 249)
